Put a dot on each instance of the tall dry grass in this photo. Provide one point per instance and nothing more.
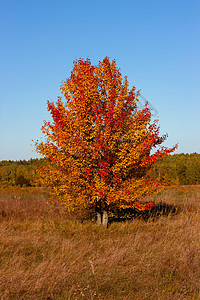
(45, 254)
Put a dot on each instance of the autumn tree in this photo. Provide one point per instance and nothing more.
(98, 145)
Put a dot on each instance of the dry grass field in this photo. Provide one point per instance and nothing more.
(45, 254)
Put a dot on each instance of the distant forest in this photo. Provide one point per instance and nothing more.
(20, 172)
(177, 169)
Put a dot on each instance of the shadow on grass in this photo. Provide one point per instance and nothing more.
(160, 209)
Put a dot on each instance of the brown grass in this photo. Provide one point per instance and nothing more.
(45, 254)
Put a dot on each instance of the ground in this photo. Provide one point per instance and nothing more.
(46, 254)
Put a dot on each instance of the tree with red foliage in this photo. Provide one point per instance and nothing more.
(98, 146)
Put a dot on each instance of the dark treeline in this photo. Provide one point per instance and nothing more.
(177, 169)
(21, 172)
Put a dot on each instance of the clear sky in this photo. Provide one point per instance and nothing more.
(155, 43)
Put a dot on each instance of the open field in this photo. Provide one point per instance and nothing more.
(45, 254)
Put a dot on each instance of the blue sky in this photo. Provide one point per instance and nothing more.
(155, 43)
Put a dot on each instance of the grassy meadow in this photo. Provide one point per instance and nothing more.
(47, 254)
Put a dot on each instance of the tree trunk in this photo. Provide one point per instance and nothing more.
(98, 218)
(102, 218)
(105, 219)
